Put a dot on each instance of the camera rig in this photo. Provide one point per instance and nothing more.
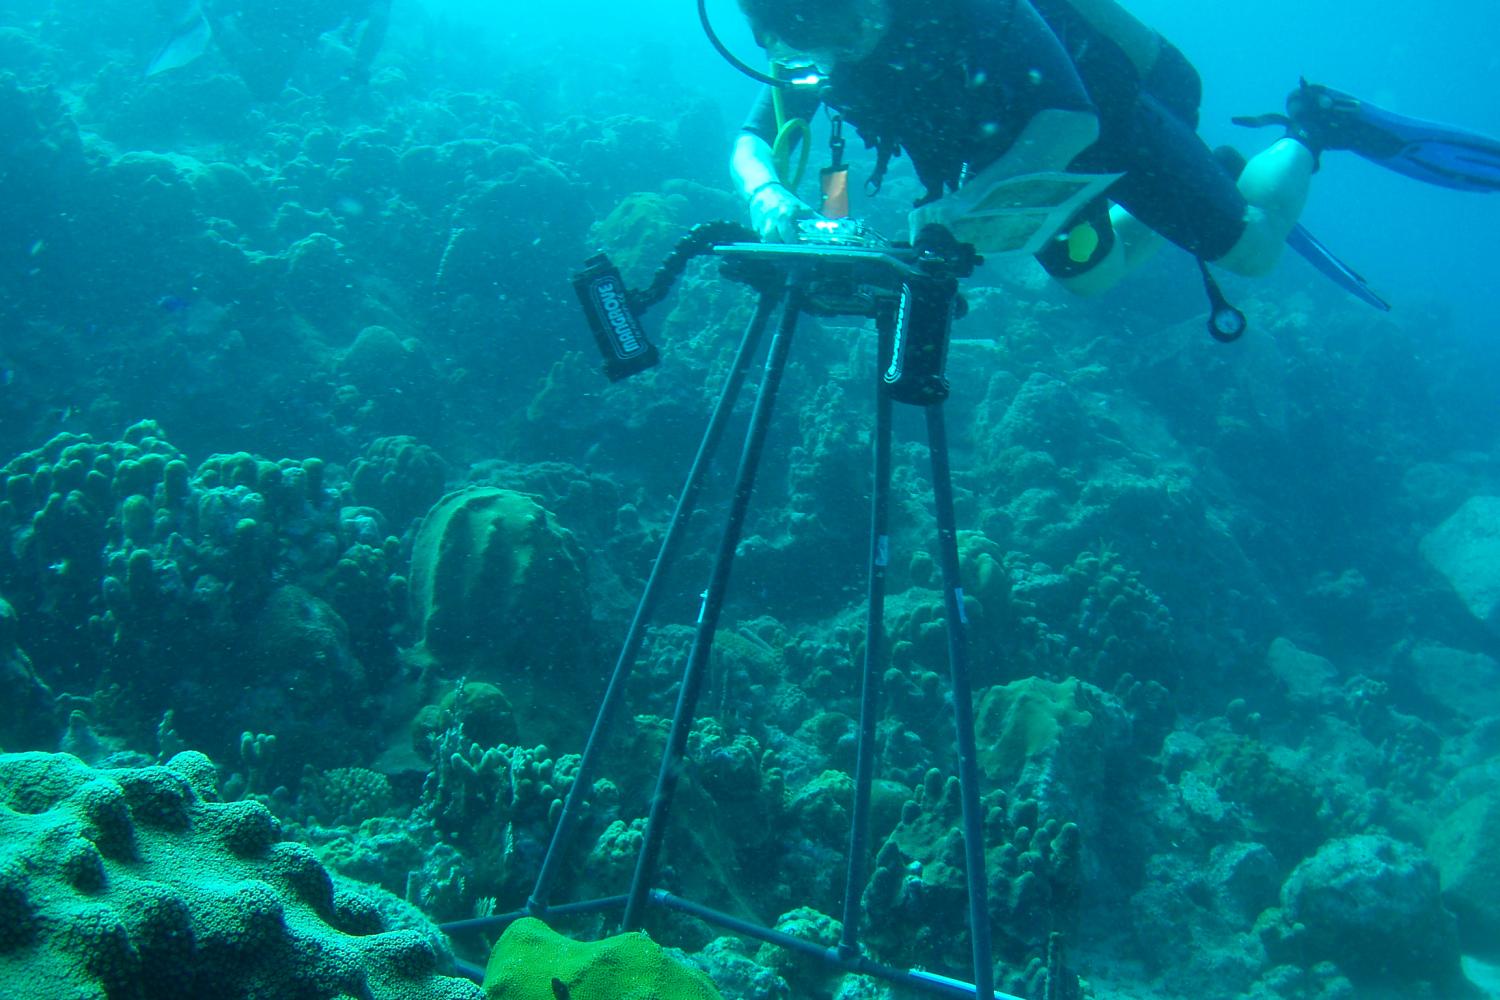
(841, 267)
(838, 268)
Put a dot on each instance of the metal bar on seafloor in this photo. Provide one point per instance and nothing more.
(914, 979)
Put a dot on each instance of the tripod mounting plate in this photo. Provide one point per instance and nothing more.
(839, 280)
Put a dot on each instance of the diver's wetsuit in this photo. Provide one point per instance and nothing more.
(955, 81)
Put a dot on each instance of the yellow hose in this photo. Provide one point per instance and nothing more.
(788, 134)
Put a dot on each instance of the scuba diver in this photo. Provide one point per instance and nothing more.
(264, 39)
(1075, 103)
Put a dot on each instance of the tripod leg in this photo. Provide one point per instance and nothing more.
(708, 615)
(963, 702)
(869, 703)
(593, 750)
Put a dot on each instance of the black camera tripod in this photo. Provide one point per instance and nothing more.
(911, 294)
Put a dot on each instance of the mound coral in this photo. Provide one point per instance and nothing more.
(139, 883)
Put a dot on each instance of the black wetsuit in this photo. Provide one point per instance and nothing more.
(955, 81)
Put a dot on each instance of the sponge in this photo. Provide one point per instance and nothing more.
(533, 962)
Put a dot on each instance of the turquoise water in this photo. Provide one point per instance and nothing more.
(307, 464)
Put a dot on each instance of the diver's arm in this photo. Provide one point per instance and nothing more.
(751, 165)
(774, 209)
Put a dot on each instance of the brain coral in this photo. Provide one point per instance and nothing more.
(137, 883)
(530, 959)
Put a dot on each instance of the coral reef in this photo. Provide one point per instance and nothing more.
(116, 546)
(1219, 632)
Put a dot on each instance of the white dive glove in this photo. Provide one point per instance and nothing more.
(774, 211)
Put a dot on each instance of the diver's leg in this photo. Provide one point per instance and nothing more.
(1172, 190)
(1275, 184)
(1122, 247)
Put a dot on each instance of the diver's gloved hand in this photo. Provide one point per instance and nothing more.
(774, 212)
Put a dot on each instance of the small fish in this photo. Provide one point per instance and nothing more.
(559, 989)
(172, 303)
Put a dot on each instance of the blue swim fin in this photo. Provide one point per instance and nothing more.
(1320, 257)
(1309, 246)
(1323, 118)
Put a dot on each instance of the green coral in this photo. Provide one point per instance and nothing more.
(531, 958)
(1281, 807)
(1020, 721)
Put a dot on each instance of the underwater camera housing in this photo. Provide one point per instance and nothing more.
(617, 329)
(839, 267)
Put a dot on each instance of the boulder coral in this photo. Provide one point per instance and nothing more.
(501, 592)
(1372, 905)
(140, 883)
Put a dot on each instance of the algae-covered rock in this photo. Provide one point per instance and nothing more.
(1464, 683)
(1371, 904)
(531, 958)
(1466, 847)
(302, 678)
(1466, 550)
(1303, 675)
